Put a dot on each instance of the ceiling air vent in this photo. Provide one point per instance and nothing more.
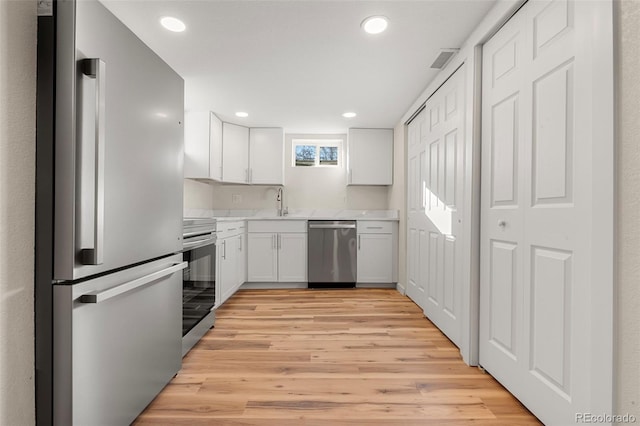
(443, 58)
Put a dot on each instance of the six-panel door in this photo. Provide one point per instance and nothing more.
(436, 175)
(537, 317)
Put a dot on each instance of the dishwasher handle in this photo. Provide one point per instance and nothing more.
(332, 226)
(101, 296)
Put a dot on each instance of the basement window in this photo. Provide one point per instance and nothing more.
(316, 152)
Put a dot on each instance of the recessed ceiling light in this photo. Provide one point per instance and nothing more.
(374, 24)
(173, 24)
(242, 114)
(349, 114)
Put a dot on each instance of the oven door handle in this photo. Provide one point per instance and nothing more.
(202, 241)
(101, 296)
(197, 233)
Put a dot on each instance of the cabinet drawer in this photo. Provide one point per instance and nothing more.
(375, 227)
(229, 229)
(277, 225)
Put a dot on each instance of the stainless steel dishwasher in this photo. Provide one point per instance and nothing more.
(332, 253)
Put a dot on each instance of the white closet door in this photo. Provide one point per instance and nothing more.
(536, 326)
(443, 166)
(415, 282)
(436, 177)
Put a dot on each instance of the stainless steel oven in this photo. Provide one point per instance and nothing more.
(199, 280)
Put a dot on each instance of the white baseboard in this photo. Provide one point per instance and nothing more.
(401, 289)
(265, 286)
(375, 285)
(270, 285)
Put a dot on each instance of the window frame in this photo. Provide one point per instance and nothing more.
(318, 143)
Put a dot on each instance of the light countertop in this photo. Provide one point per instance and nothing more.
(294, 214)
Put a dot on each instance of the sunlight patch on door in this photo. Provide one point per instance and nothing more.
(438, 212)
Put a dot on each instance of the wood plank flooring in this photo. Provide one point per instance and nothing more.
(329, 357)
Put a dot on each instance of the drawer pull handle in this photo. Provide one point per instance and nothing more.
(101, 296)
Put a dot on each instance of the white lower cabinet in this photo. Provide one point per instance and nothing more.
(227, 271)
(292, 257)
(231, 260)
(277, 251)
(376, 252)
(241, 261)
(262, 258)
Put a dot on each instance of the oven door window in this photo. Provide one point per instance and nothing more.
(198, 285)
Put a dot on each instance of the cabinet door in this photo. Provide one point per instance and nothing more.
(235, 153)
(241, 263)
(196, 145)
(202, 145)
(292, 257)
(215, 147)
(228, 268)
(375, 258)
(262, 257)
(266, 156)
(370, 157)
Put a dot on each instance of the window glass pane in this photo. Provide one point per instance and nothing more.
(305, 155)
(329, 155)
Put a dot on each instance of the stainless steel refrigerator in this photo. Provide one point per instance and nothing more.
(108, 218)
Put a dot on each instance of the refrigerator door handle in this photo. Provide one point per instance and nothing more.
(95, 68)
(101, 296)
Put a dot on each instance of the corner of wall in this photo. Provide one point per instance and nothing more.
(197, 195)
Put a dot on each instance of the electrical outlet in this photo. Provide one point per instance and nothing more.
(236, 198)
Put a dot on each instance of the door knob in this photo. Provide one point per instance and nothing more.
(502, 223)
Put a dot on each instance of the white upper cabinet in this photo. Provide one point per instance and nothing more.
(235, 153)
(370, 157)
(202, 145)
(266, 156)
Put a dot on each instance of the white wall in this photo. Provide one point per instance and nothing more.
(305, 188)
(17, 194)
(397, 198)
(628, 206)
(197, 195)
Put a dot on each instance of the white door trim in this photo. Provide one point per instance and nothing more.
(603, 225)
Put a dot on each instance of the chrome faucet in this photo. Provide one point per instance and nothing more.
(280, 200)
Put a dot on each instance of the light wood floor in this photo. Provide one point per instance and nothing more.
(329, 357)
